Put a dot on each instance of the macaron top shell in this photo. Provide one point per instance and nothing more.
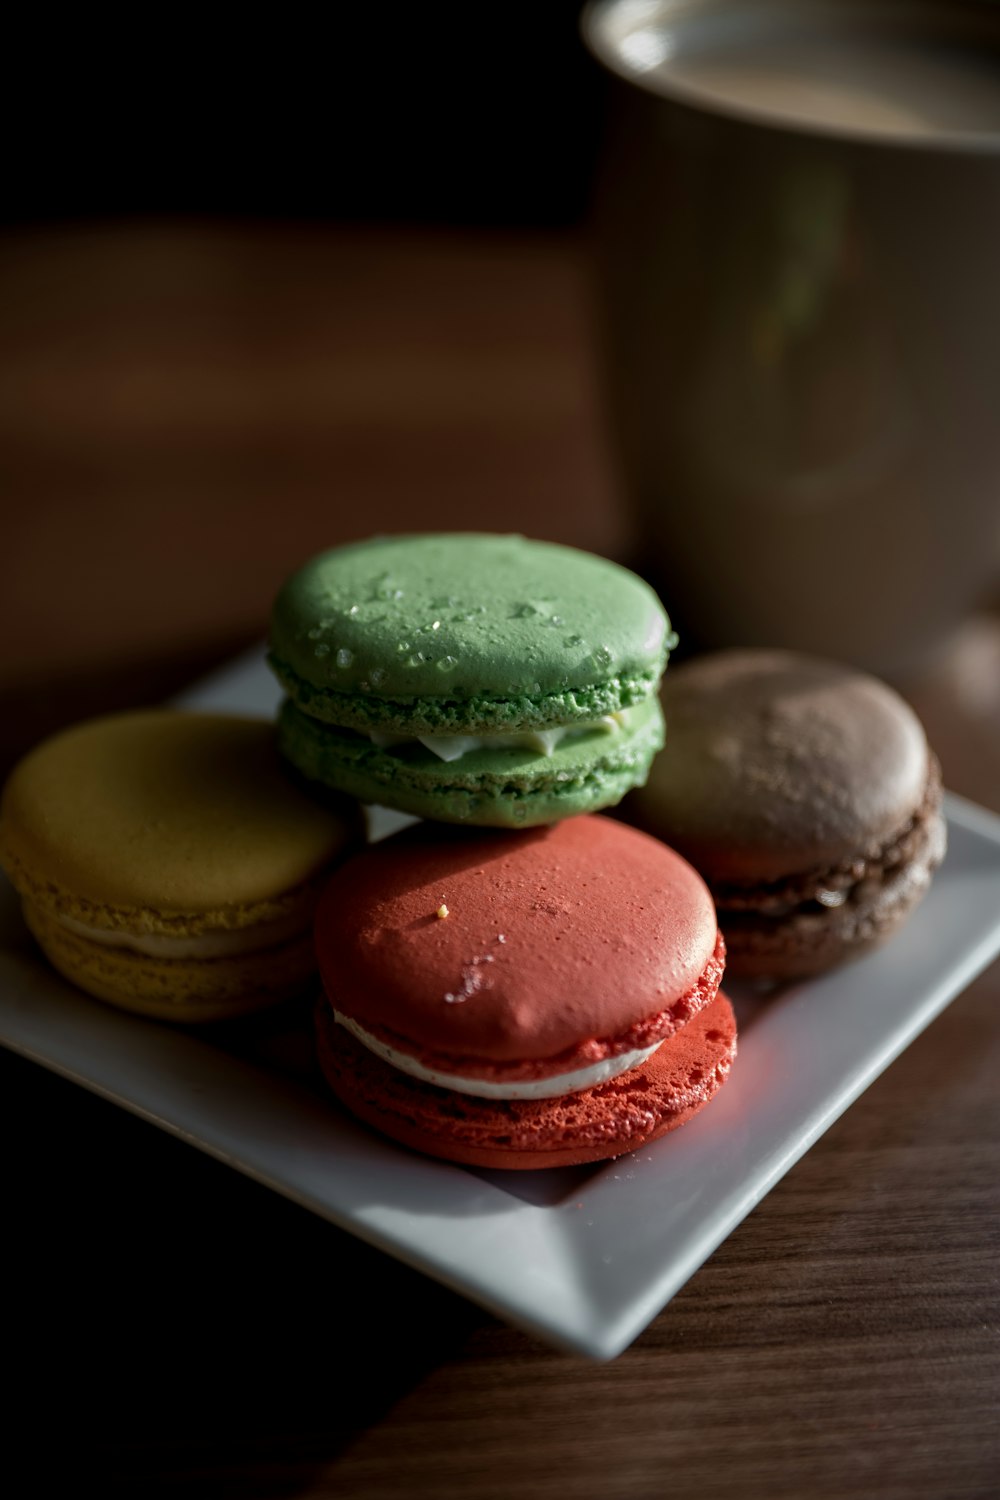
(552, 937)
(180, 813)
(777, 763)
(465, 629)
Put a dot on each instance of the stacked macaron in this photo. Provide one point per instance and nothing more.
(488, 680)
(537, 986)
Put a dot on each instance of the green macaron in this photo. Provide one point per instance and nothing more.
(469, 677)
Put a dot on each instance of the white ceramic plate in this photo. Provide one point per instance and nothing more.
(584, 1257)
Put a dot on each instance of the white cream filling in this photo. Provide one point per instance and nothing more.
(535, 1088)
(219, 943)
(543, 741)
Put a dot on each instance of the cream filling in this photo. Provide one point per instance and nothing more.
(219, 943)
(543, 741)
(481, 1088)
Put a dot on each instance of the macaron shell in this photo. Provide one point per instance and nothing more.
(777, 763)
(163, 813)
(553, 936)
(505, 788)
(479, 626)
(182, 990)
(621, 1115)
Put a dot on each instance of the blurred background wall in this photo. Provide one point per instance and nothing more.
(266, 285)
(450, 114)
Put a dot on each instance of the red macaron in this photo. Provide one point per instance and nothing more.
(522, 1000)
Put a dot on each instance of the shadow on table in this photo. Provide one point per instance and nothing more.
(169, 1319)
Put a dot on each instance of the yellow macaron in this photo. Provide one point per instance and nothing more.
(167, 863)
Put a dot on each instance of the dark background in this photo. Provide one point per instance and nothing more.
(465, 114)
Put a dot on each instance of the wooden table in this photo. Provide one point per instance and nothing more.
(185, 412)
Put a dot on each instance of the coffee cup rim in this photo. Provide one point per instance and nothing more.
(593, 23)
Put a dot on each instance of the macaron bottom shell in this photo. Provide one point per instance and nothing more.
(811, 939)
(168, 989)
(501, 788)
(591, 1125)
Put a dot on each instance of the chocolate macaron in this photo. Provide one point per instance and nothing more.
(522, 1000)
(805, 793)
